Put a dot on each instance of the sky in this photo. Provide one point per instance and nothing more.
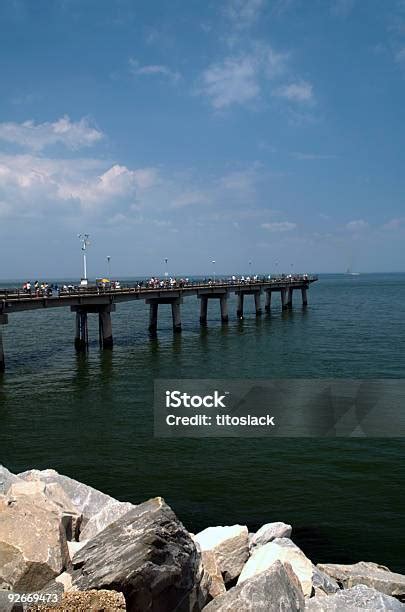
(234, 131)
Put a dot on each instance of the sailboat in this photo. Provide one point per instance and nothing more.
(348, 271)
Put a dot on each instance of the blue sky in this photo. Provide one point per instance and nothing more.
(234, 130)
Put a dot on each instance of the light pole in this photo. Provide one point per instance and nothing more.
(166, 270)
(85, 242)
(109, 267)
(213, 264)
(250, 270)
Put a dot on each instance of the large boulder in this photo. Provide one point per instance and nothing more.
(97, 509)
(371, 574)
(146, 554)
(355, 599)
(37, 490)
(284, 550)
(274, 589)
(6, 479)
(230, 546)
(85, 601)
(87, 500)
(33, 547)
(269, 532)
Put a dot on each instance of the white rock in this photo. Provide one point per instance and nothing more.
(112, 511)
(269, 532)
(6, 479)
(229, 544)
(73, 547)
(284, 550)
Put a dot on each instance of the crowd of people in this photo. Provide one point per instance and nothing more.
(49, 289)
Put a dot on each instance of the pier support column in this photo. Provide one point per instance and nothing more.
(3, 321)
(153, 316)
(258, 305)
(239, 309)
(304, 296)
(283, 294)
(176, 316)
(290, 298)
(203, 310)
(82, 332)
(267, 305)
(105, 329)
(224, 308)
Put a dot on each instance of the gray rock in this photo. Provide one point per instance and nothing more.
(6, 479)
(284, 550)
(112, 511)
(354, 599)
(33, 548)
(323, 583)
(275, 589)
(230, 546)
(87, 500)
(370, 574)
(269, 532)
(146, 554)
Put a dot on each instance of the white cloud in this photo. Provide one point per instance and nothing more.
(243, 13)
(301, 91)
(189, 198)
(356, 225)
(281, 226)
(153, 70)
(237, 79)
(32, 186)
(37, 136)
(342, 8)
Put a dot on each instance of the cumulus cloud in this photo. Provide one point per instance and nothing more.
(32, 185)
(37, 136)
(394, 224)
(237, 79)
(356, 225)
(154, 70)
(301, 91)
(280, 226)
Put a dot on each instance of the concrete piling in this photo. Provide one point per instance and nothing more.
(153, 316)
(290, 298)
(105, 328)
(304, 296)
(176, 316)
(283, 295)
(258, 305)
(82, 332)
(3, 321)
(239, 309)
(203, 310)
(267, 305)
(224, 308)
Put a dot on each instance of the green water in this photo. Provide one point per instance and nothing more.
(91, 416)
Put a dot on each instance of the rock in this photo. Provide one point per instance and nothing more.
(33, 547)
(369, 574)
(146, 554)
(284, 550)
(6, 479)
(112, 511)
(269, 532)
(86, 601)
(322, 583)
(217, 585)
(355, 599)
(87, 501)
(277, 588)
(230, 546)
(65, 579)
(54, 493)
(74, 547)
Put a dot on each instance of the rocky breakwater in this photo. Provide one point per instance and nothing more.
(59, 536)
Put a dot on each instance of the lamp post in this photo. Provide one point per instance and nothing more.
(109, 267)
(250, 269)
(166, 270)
(215, 276)
(85, 242)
